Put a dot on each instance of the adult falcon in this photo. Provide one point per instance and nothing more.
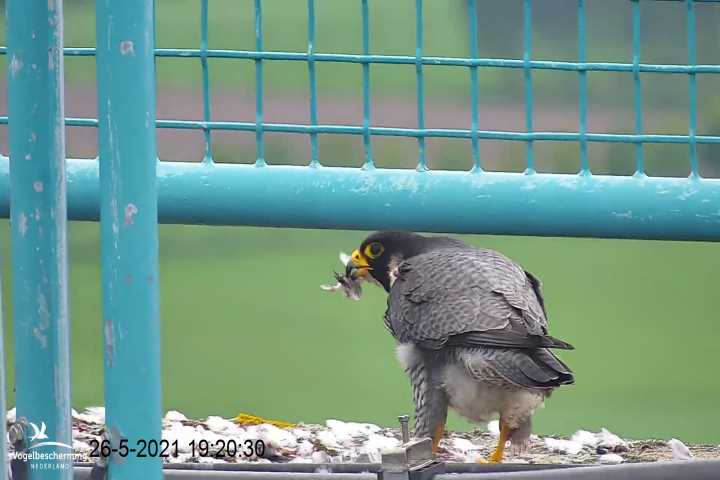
(471, 331)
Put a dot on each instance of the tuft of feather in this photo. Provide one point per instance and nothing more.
(680, 451)
(610, 459)
(350, 287)
(561, 445)
(493, 427)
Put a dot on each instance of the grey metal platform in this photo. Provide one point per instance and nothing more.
(685, 470)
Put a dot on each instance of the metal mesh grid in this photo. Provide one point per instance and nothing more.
(570, 201)
(582, 136)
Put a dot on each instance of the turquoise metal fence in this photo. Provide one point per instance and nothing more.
(531, 203)
(129, 191)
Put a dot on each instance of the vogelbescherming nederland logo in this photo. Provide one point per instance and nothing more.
(59, 458)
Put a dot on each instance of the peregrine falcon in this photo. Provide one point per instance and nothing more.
(471, 331)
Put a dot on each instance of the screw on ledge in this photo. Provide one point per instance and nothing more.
(404, 430)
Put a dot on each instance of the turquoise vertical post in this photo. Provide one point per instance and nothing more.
(128, 225)
(38, 217)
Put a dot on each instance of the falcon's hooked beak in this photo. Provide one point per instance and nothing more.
(357, 266)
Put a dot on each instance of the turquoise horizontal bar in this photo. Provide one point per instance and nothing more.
(412, 132)
(434, 201)
(412, 60)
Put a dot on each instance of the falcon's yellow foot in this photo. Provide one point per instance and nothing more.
(496, 458)
(437, 436)
(246, 419)
(497, 455)
(481, 460)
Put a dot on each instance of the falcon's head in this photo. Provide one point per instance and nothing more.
(381, 253)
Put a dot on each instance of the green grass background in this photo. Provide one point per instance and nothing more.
(246, 328)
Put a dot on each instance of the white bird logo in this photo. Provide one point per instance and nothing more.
(38, 433)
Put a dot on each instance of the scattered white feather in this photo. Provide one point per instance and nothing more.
(301, 433)
(493, 427)
(183, 434)
(210, 459)
(274, 437)
(340, 441)
(342, 431)
(586, 438)
(305, 449)
(92, 415)
(80, 446)
(327, 439)
(10, 417)
(366, 455)
(181, 458)
(463, 445)
(211, 437)
(608, 439)
(563, 446)
(381, 442)
(346, 432)
(680, 451)
(223, 426)
(320, 457)
(610, 458)
(174, 416)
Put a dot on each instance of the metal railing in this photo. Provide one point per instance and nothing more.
(532, 203)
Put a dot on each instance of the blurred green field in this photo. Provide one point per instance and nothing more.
(246, 328)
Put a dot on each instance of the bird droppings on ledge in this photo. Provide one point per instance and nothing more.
(351, 442)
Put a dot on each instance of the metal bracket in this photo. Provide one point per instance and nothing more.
(413, 460)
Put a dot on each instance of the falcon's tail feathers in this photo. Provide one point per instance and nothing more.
(550, 361)
(527, 368)
(557, 343)
(500, 338)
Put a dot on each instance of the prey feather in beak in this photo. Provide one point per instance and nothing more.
(349, 283)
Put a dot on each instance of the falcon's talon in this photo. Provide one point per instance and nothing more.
(482, 461)
(471, 331)
(495, 459)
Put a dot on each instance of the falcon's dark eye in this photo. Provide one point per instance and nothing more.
(374, 250)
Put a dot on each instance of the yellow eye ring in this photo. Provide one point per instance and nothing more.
(374, 250)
